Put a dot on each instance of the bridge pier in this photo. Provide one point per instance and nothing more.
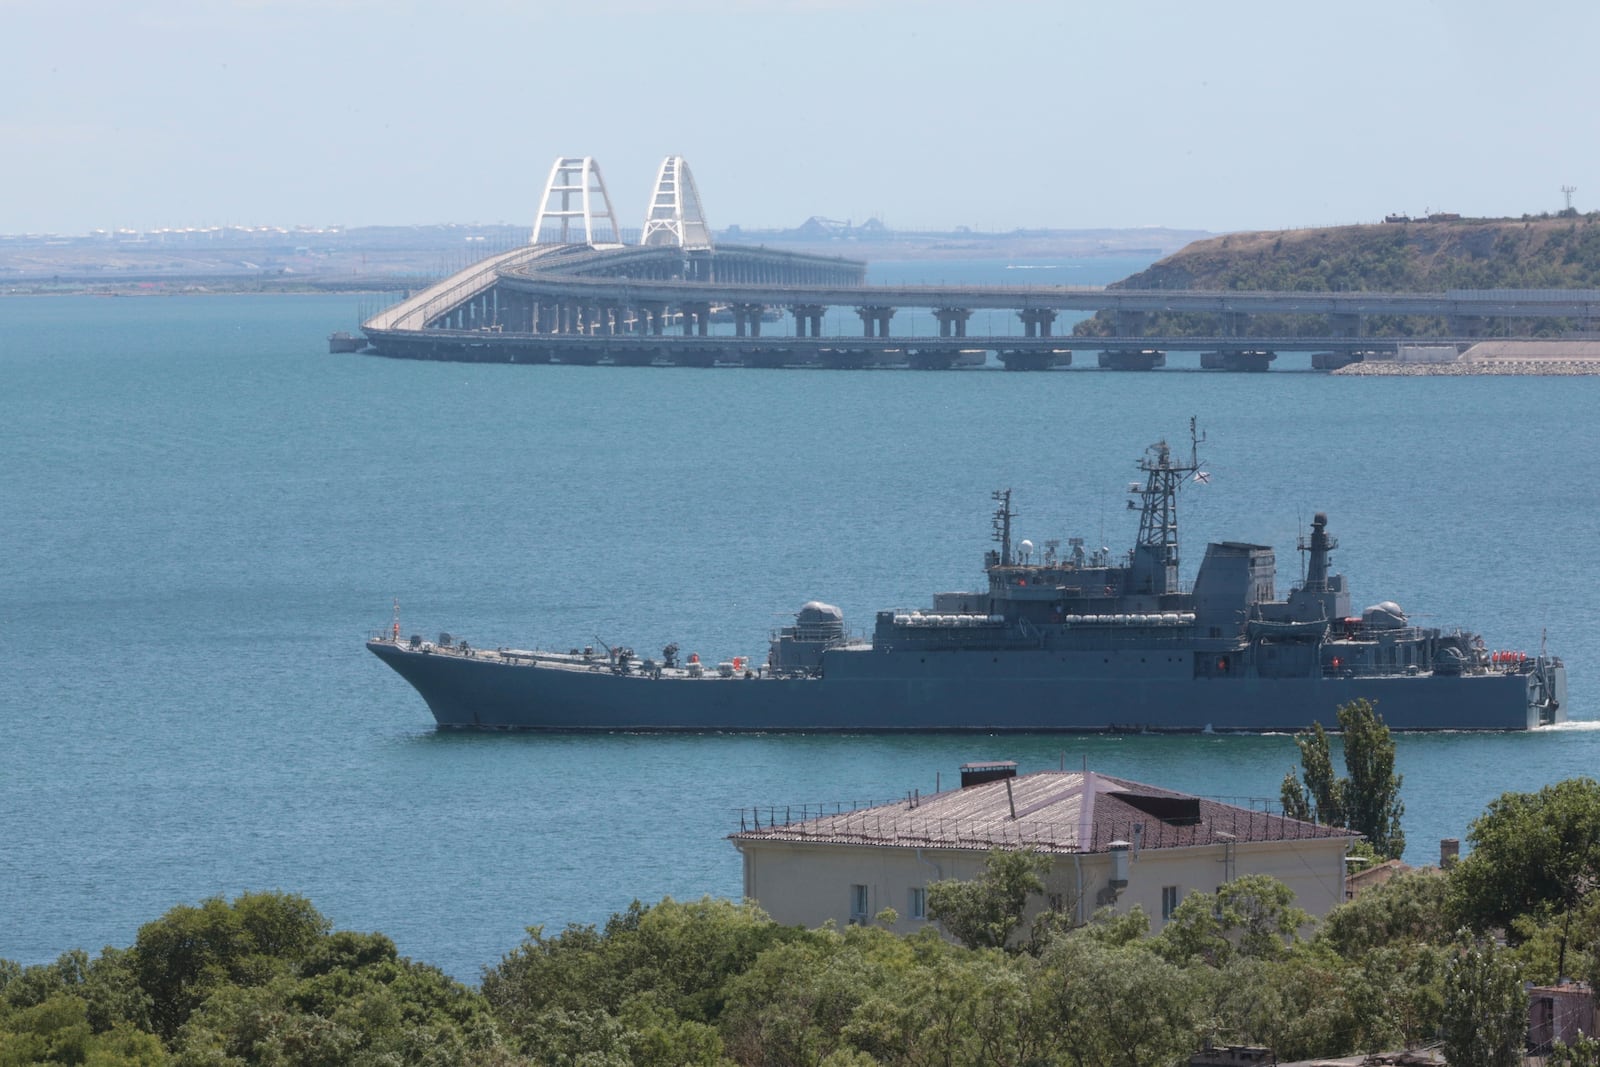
(952, 321)
(652, 318)
(875, 315)
(933, 357)
(696, 319)
(1030, 359)
(807, 313)
(1036, 321)
(1145, 359)
(747, 320)
(1238, 359)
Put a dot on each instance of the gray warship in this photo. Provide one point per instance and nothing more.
(1057, 641)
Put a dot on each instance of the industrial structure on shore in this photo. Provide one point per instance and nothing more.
(576, 294)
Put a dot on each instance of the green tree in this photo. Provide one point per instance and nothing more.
(1485, 1020)
(1367, 799)
(1321, 799)
(1584, 1052)
(1371, 792)
(1408, 909)
(181, 957)
(583, 980)
(1113, 1005)
(57, 1030)
(1532, 855)
(1253, 917)
(986, 911)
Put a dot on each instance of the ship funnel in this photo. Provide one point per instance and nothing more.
(991, 771)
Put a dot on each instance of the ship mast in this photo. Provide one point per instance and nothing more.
(1317, 549)
(1002, 524)
(1155, 554)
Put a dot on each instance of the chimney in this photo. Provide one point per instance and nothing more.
(991, 771)
(1449, 852)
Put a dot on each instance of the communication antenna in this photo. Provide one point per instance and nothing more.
(1568, 190)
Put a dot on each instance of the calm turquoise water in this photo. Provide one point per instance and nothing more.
(202, 514)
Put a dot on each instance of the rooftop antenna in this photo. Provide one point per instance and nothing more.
(1567, 191)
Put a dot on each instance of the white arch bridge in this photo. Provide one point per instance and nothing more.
(576, 293)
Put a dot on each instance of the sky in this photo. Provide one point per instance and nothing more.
(927, 115)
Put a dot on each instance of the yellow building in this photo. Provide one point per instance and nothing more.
(1115, 843)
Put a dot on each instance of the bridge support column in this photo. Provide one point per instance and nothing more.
(875, 320)
(696, 319)
(1129, 323)
(1036, 321)
(952, 321)
(804, 314)
(653, 318)
(747, 319)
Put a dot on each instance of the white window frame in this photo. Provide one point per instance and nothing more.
(917, 903)
(860, 903)
(1171, 897)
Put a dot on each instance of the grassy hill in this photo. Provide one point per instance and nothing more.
(1545, 252)
(1540, 253)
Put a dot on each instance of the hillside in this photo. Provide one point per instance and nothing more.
(1543, 253)
(1547, 252)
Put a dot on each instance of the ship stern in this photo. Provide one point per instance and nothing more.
(1547, 693)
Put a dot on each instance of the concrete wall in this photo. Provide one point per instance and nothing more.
(810, 884)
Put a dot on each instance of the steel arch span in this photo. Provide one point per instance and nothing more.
(575, 178)
(676, 216)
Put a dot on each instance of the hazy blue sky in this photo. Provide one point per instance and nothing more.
(993, 115)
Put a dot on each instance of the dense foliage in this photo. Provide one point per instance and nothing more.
(263, 979)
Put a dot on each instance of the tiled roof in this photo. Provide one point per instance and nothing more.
(1052, 811)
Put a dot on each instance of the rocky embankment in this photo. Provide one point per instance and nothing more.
(1514, 358)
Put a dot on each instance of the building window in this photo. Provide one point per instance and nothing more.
(1169, 901)
(1056, 902)
(859, 903)
(917, 905)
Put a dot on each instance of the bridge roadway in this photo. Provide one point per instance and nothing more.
(637, 305)
(492, 346)
(1486, 303)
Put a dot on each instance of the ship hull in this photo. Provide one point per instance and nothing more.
(1031, 691)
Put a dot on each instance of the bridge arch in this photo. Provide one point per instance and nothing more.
(576, 193)
(675, 215)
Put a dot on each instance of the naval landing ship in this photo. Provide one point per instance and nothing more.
(1056, 642)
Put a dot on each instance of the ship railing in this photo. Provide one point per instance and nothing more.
(1389, 670)
(1368, 634)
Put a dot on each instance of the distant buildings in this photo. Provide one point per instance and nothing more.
(1115, 843)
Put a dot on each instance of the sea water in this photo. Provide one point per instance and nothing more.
(203, 514)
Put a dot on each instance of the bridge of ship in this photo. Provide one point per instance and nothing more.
(585, 296)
